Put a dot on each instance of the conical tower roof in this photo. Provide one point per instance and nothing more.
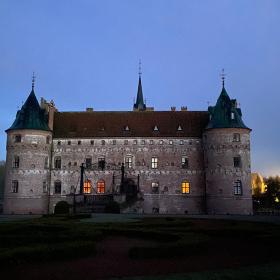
(139, 105)
(225, 113)
(31, 115)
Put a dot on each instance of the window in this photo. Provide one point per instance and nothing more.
(57, 163)
(185, 162)
(58, 143)
(125, 142)
(101, 163)
(46, 163)
(236, 137)
(75, 163)
(57, 187)
(114, 142)
(232, 115)
(72, 190)
(126, 128)
(154, 162)
(170, 142)
(237, 187)
(155, 128)
(48, 139)
(45, 187)
(103, 142)
(179, 128)
(88, 162)
(185, 187)
(15, 186)
(134, 142)
(79, 142)
(69, 164)
(17, 138)
(69, 143)
(101, 186)
(161, 142)
(87, 186)
(155, 187)
(128, 162)
(16, 162)
(91, 142)
(151, 142)
(143, 142)
(181, 142)
(237, 162)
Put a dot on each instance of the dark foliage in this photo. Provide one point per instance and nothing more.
(62, 207)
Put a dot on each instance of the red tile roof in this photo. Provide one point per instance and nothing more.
(140, 124)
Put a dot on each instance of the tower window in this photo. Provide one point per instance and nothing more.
(101, 186)
(16, 162)
(57, 187)
(154, 162)
(46, 163)
(237, 187)
(128, 162)
(88, 162)
(57, 163)
(185, 162)
(17, 138)
(101, 163)
(155, 187)
(15, 186)
(185, 187)
(237, 162)
(87, 186)
(45, 187)
(236, 137)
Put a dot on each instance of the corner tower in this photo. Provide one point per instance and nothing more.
(27, 164)
(226, 142)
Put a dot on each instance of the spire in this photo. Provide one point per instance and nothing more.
(33, 81)
(223, 76)
(139, 105)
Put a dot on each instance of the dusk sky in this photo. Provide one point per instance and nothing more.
(85, 53)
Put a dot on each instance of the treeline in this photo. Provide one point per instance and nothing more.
(270, 199)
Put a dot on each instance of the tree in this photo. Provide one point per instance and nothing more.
(272, 193)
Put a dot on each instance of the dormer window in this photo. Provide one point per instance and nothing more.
(179, 128)
(126, 128)
(156, 128)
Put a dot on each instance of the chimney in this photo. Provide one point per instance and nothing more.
(173, 108)
(184, 108)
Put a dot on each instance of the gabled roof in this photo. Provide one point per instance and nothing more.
(225, 113)
(31, 115)
(141, 124)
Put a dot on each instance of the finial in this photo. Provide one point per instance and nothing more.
(140, 68)
(33, 80)
(223, 75)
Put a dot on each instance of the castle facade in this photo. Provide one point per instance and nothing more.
(182, 162)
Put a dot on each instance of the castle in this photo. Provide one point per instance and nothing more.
(195, 162)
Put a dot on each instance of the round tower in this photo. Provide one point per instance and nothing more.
(27, 162)
(226, 142)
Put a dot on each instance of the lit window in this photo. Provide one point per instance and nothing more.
(237, 187)
(236, 137)
(101, 186)
(185, 162)
(88, 162)
(154, 162)
(237, 162)
(46, 163)
(57, 163)
(15, 186)
(16, 162)
(101, 163)
(17, 138)
(128, 162)
(185, 187)
(155, 187)
(57, 187)
(45, 187)
(87, 186)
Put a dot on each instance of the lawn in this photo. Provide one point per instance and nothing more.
(60, 247)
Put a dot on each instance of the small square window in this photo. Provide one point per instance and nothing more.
(151, 142)
(91, 142)
(17, 138)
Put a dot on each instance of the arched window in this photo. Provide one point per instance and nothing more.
(57, 187)
(101, 186)
(87, 186)
(185, 187)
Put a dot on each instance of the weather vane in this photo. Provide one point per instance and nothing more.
(140, 68)
(33, 80)
(223, 76)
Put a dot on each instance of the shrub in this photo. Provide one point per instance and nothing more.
(112, 207)
(62, 207)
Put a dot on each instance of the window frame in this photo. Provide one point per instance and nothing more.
(15, 185)
(185, 187)
(100, 186)
(57, 187)
(237, 188)
(154, 162)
